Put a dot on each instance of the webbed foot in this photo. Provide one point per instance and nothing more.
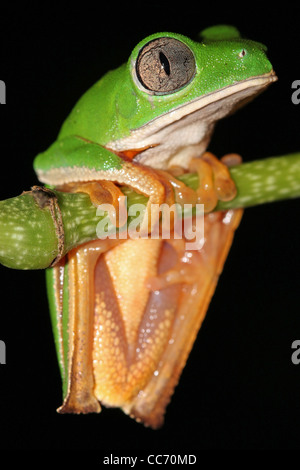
(215, 182)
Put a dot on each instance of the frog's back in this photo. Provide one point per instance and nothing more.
(92, 118)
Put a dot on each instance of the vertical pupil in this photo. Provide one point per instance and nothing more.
(164, 63)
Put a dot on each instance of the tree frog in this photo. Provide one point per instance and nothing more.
(125, 315)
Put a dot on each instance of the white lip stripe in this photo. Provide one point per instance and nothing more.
(143, 136)
(62, 175)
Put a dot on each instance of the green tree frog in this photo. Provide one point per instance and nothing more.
(125, 315)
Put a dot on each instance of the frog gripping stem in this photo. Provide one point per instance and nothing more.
(215, 182)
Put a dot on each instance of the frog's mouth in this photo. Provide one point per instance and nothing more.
(175, 137)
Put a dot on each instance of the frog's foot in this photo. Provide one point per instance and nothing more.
(103, 193)
(215, 182)
(144, 180)
(153, 184)
(182, 193)
(231, 159)
(183, 271)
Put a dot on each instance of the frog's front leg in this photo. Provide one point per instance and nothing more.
(104, 170)
(147, 181)
(154, 185)
(215, 182)
(78, 165)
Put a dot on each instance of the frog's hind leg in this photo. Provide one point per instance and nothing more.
(180, 302)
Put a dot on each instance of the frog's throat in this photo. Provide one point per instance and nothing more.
(175, 137)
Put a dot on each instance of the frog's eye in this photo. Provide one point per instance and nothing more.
(165, 65)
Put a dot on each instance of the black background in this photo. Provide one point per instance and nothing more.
(239, 389)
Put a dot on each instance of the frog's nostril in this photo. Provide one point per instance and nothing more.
(242, 53)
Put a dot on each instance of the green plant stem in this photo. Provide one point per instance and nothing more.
(28, 236)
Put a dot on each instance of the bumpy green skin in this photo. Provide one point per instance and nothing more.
(74, 151)
(115, 105)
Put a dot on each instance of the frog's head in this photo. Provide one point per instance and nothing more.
(160, 108)
(179, 89)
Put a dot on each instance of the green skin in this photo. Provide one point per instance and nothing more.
(110, 115)
(116, 105)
